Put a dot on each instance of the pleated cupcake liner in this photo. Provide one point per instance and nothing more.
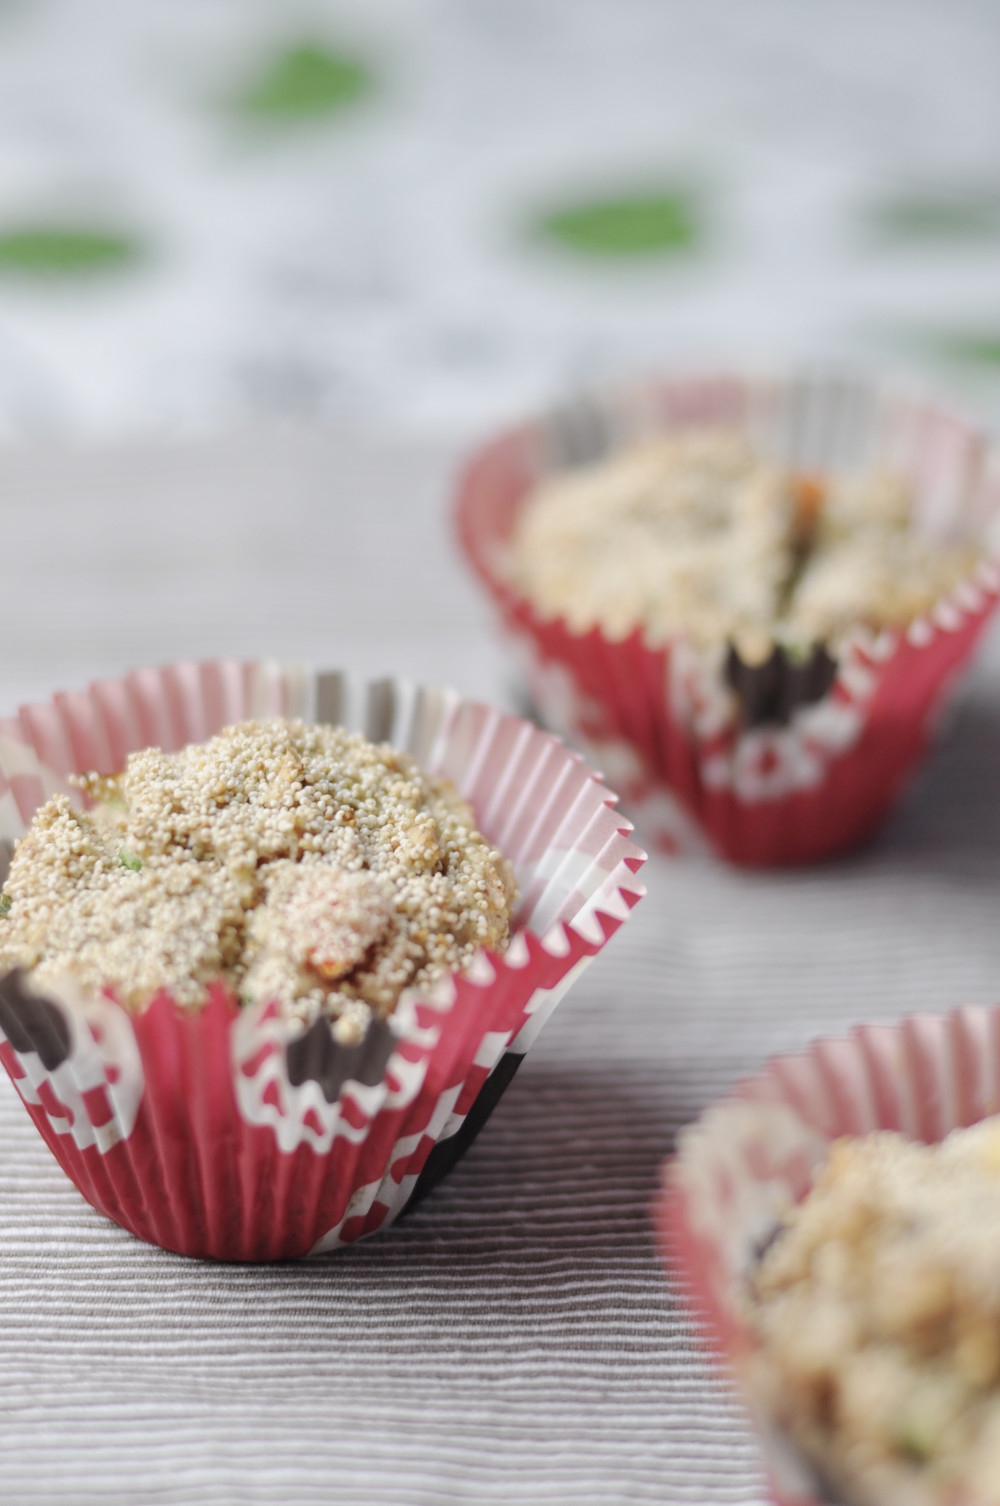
(751, 1156)
(819, 753)
(225, 1132)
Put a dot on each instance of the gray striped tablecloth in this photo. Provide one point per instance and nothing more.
(515, 1339)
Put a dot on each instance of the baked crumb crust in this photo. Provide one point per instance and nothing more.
(695, 534)
(294, 862)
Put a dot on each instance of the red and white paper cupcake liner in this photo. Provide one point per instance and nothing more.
(218, 1132)
(660, 718)
(751, 1156)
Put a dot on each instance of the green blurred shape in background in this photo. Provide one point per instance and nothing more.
(53, 251)
(979, 347)
(655, 223)
(307, 81)
(947, 217)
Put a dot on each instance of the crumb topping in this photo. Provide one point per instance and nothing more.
(297, 863)
(878, 1309)
(696, 534)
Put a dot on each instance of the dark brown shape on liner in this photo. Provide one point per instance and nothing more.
(771, 691)
(316, 1055)
(33, 1023)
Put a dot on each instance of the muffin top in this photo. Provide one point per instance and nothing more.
(878, 1310)
(297, 863)
(696, 534)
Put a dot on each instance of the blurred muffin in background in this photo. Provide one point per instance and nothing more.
(745, 597)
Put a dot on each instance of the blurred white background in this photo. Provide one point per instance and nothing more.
(214, 209)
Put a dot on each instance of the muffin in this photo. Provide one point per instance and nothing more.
(877, 1311)
(833, 1225)
(745, 598)
(262, 980)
